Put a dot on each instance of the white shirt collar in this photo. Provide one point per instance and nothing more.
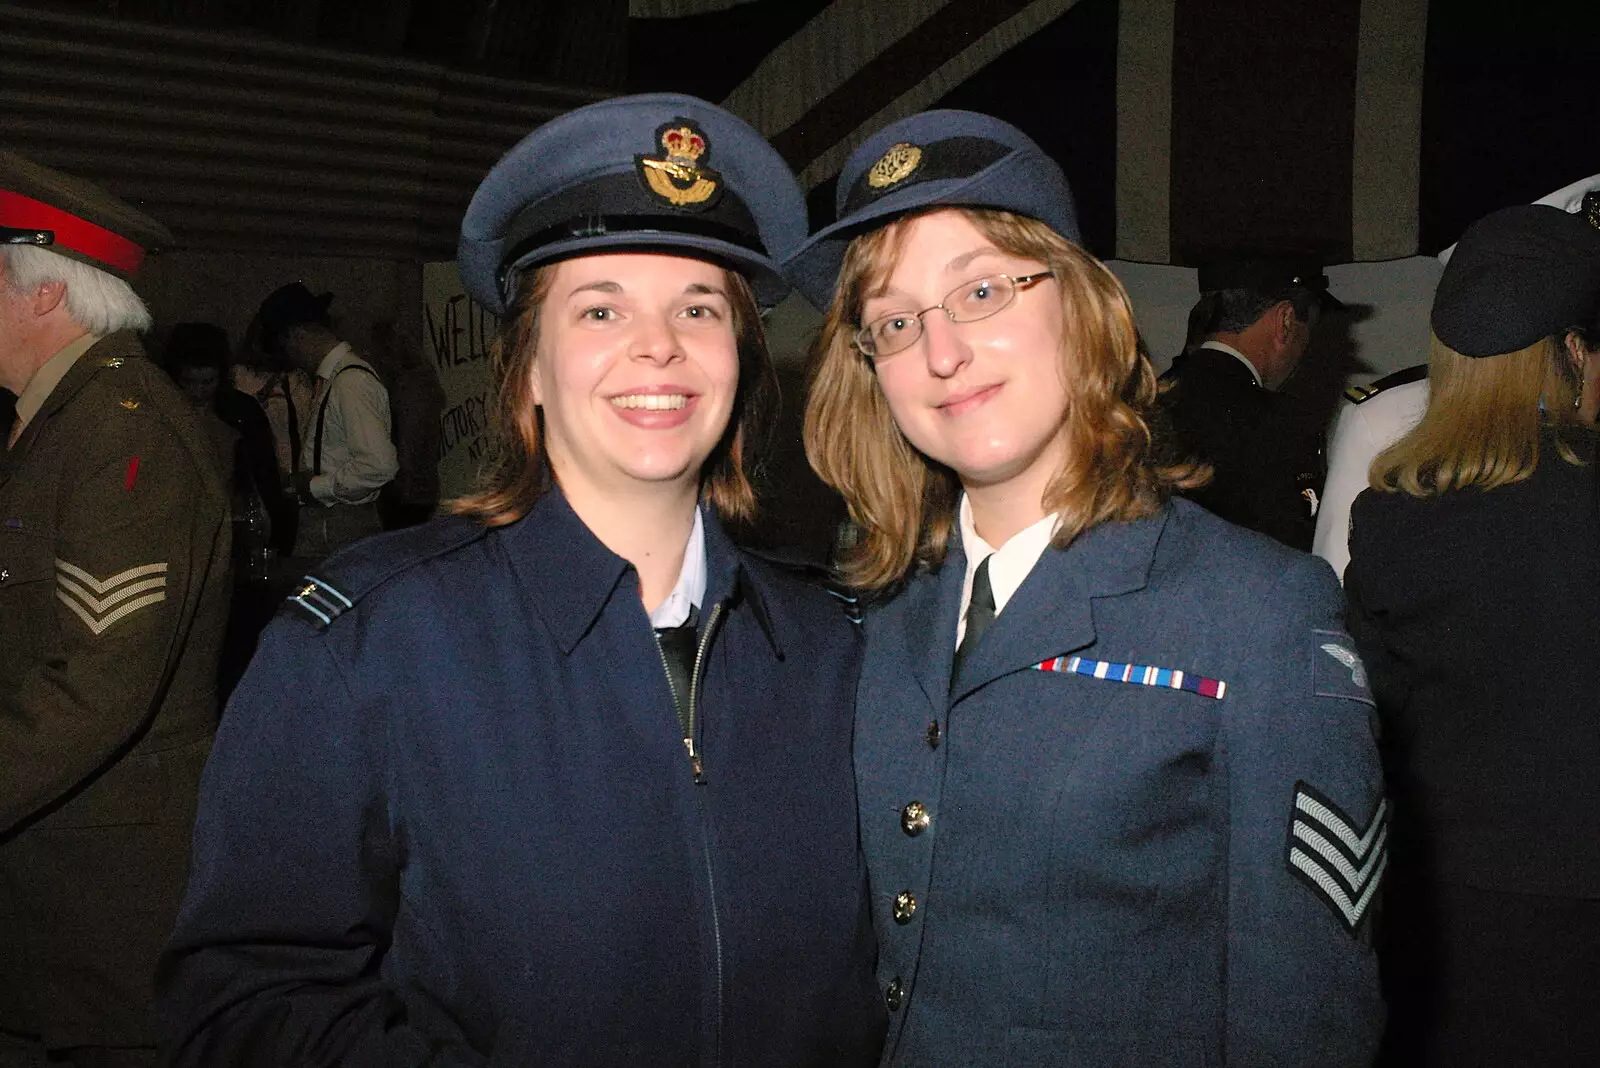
(690, 591)
(1217, 346)
(340, 353)
(1008, 565)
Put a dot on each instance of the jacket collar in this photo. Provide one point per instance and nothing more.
(1051, 613)
(570, 577)
(123, 345)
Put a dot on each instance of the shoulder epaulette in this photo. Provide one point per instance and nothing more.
(350, 575)
(1358, 394)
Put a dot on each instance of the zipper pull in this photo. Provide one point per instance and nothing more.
(694, 762)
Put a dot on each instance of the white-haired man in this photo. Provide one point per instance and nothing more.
(113, 600)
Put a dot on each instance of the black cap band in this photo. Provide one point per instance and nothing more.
(617, 204)
(41, 238)
(956, 157)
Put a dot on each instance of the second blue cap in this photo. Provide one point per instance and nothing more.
(934, 159)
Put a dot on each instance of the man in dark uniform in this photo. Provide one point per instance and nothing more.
(113, 598)
(1252, 324)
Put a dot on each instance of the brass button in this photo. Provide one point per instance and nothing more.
(894, 994)
(914, 818)
(933, 734)
(905, 906)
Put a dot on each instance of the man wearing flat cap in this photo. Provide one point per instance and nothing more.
(347, 453)
(1253, 324)
(113, 599)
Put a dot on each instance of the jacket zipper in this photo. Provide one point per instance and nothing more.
(694, 691)
(705, 837)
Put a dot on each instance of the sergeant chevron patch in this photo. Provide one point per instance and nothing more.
(1340, 862)
(1138, 674)
(102, 603)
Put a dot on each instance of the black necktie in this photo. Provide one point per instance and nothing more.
(980, 613)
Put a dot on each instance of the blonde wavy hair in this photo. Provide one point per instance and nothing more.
(518, 472)
(1483, 422)
(903, 503)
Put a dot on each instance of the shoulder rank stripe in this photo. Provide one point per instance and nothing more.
(319, 602)
(1137, 674)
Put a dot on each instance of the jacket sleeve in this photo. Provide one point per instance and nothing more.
(1307, 840)
(276, 959)
(127, 569)
(359, 407)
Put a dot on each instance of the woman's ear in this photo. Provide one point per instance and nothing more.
(1577, 352)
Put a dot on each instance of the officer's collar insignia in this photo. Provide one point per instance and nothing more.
(129, 403)
(114, 362)
(1591, 207)
(895, 166)
(1339, 860)
(1137, 674)
(677, 176)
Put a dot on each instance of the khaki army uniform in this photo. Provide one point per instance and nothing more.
(113, 600)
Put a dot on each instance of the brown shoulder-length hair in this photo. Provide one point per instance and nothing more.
(903, 503)
(518, 471)
(1483, 421)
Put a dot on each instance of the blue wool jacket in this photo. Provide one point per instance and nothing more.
(1104, 862)
(456, 823)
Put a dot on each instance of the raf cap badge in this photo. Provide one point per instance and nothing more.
(895, 166)
(678, 178)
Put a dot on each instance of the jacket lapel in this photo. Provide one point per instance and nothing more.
(1052, 612)
(932, 607)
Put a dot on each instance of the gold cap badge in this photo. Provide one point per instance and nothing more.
(895, 166)
(678, 178)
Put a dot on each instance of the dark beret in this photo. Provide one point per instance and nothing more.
(77, 219)
(655, 171)
(933, 159)
(1518, 275)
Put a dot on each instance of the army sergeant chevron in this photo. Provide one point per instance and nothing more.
(102, 603)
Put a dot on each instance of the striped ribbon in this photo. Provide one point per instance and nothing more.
(1137, 674)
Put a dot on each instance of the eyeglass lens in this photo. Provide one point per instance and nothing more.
(966, 303)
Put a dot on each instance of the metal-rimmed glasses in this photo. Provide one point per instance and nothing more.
(966, 303)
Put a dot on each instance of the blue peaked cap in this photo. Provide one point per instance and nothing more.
(932, 159)
(657, 171)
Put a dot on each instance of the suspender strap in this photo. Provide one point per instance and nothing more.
(322, 411)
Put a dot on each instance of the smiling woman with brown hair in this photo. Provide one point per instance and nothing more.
(558, 780)
(1104, 739)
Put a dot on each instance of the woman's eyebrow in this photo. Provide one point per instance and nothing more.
(601, 286)
(966, 258)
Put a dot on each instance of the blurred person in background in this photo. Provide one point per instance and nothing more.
(1474, 589)
(347, 452)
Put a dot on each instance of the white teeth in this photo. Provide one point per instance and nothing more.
(654, 402)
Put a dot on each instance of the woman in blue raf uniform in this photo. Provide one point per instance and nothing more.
(1474, 586)
(1119, 790)
(558, 781)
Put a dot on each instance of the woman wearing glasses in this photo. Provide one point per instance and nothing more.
(1119, 792)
